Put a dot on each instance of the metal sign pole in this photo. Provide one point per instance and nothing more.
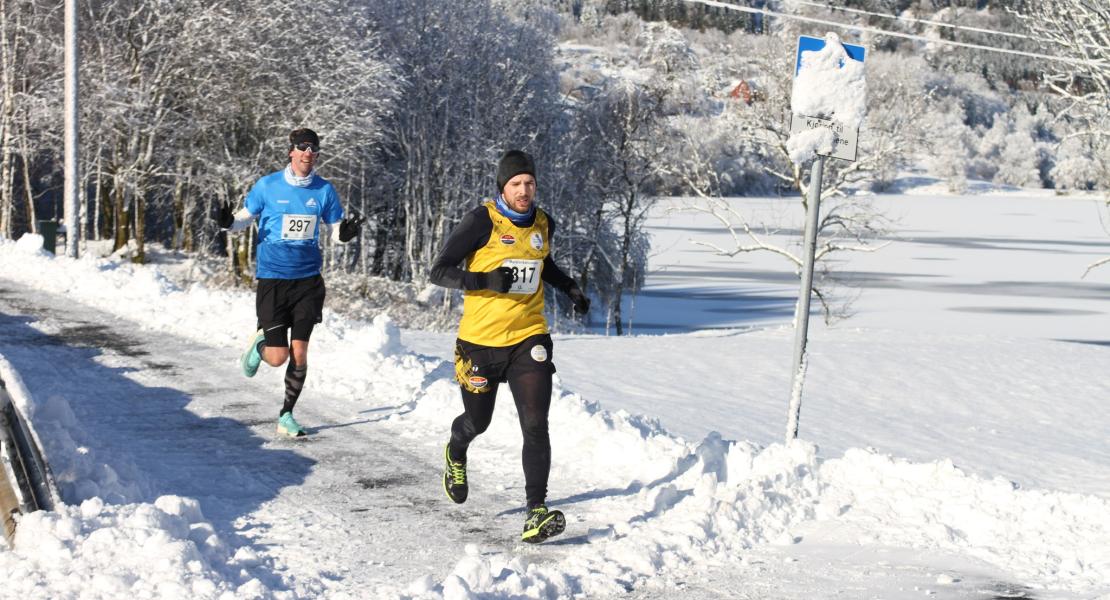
(801, 316)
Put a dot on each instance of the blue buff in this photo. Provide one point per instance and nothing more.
(518, 219)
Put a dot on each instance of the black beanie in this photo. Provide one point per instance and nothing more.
(303, 135)
(513, 163)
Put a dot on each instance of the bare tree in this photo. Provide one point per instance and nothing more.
(847, 224)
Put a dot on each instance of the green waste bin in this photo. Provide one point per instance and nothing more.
(49, 231)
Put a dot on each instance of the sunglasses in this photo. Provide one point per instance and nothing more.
(306, 146)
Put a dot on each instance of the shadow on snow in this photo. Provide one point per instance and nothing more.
(145, 432)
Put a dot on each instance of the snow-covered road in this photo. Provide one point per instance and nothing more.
(357, 510)
(353, 503)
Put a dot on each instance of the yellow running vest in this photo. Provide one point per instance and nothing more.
(493, 319)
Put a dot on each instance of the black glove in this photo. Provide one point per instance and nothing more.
(349, 227)
(222, 215)
(498, 280)
(581, 301)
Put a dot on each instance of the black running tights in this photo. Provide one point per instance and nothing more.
(532, 393)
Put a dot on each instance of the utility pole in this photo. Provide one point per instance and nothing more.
(71, 195)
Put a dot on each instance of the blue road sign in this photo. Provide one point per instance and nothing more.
(812, 44)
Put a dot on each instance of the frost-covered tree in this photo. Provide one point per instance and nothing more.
(183, 106)
(1078, 30)
(342, 89)
(477, 83)
(665, 49)
(1081, 164)
(30, 78)
(947, 154)
(1017, 161)
(624, 164)
(137, 55)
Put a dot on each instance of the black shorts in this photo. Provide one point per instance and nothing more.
(282, 304)
(477, 366)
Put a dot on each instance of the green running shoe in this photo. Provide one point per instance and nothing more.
(289, 426)
(454, 478)
(542, 524)
(251, 358)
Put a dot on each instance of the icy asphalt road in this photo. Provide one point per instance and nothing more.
(180, 419)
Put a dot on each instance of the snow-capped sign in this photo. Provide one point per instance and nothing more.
(829, 97)
(813, 44)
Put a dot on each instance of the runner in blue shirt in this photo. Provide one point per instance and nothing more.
(293, 207)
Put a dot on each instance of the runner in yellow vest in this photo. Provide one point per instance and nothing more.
(503, 336)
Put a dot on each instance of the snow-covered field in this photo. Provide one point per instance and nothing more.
(955, 443)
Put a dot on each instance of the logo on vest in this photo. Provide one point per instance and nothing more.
(311, 203)
(537, 241)
(508, 239)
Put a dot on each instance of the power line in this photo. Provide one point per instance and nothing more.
(929, 22)
(913, 20)
(770, 13)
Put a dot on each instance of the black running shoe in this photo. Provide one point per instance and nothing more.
(454, 478)
(542, 524)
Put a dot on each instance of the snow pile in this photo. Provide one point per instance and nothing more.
(137, 292)
(720, 499)
(96, 550)
(804, 145)
(31, 243)
(380, 367)
(829, 85)
(77, 471)
(621, 447)
(723, 498)
(1050, 537)
(668, 504)
(108, 546)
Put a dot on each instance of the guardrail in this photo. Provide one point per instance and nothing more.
(26, 484)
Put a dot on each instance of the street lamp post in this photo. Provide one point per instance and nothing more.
(71, 200)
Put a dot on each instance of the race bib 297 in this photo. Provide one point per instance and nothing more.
(298, 227)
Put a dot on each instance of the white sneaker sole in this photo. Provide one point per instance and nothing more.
(285, 432)
(243, 357)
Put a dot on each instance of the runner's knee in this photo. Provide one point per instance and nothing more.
(275, 356)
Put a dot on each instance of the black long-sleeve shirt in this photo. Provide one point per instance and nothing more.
(471, 234)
